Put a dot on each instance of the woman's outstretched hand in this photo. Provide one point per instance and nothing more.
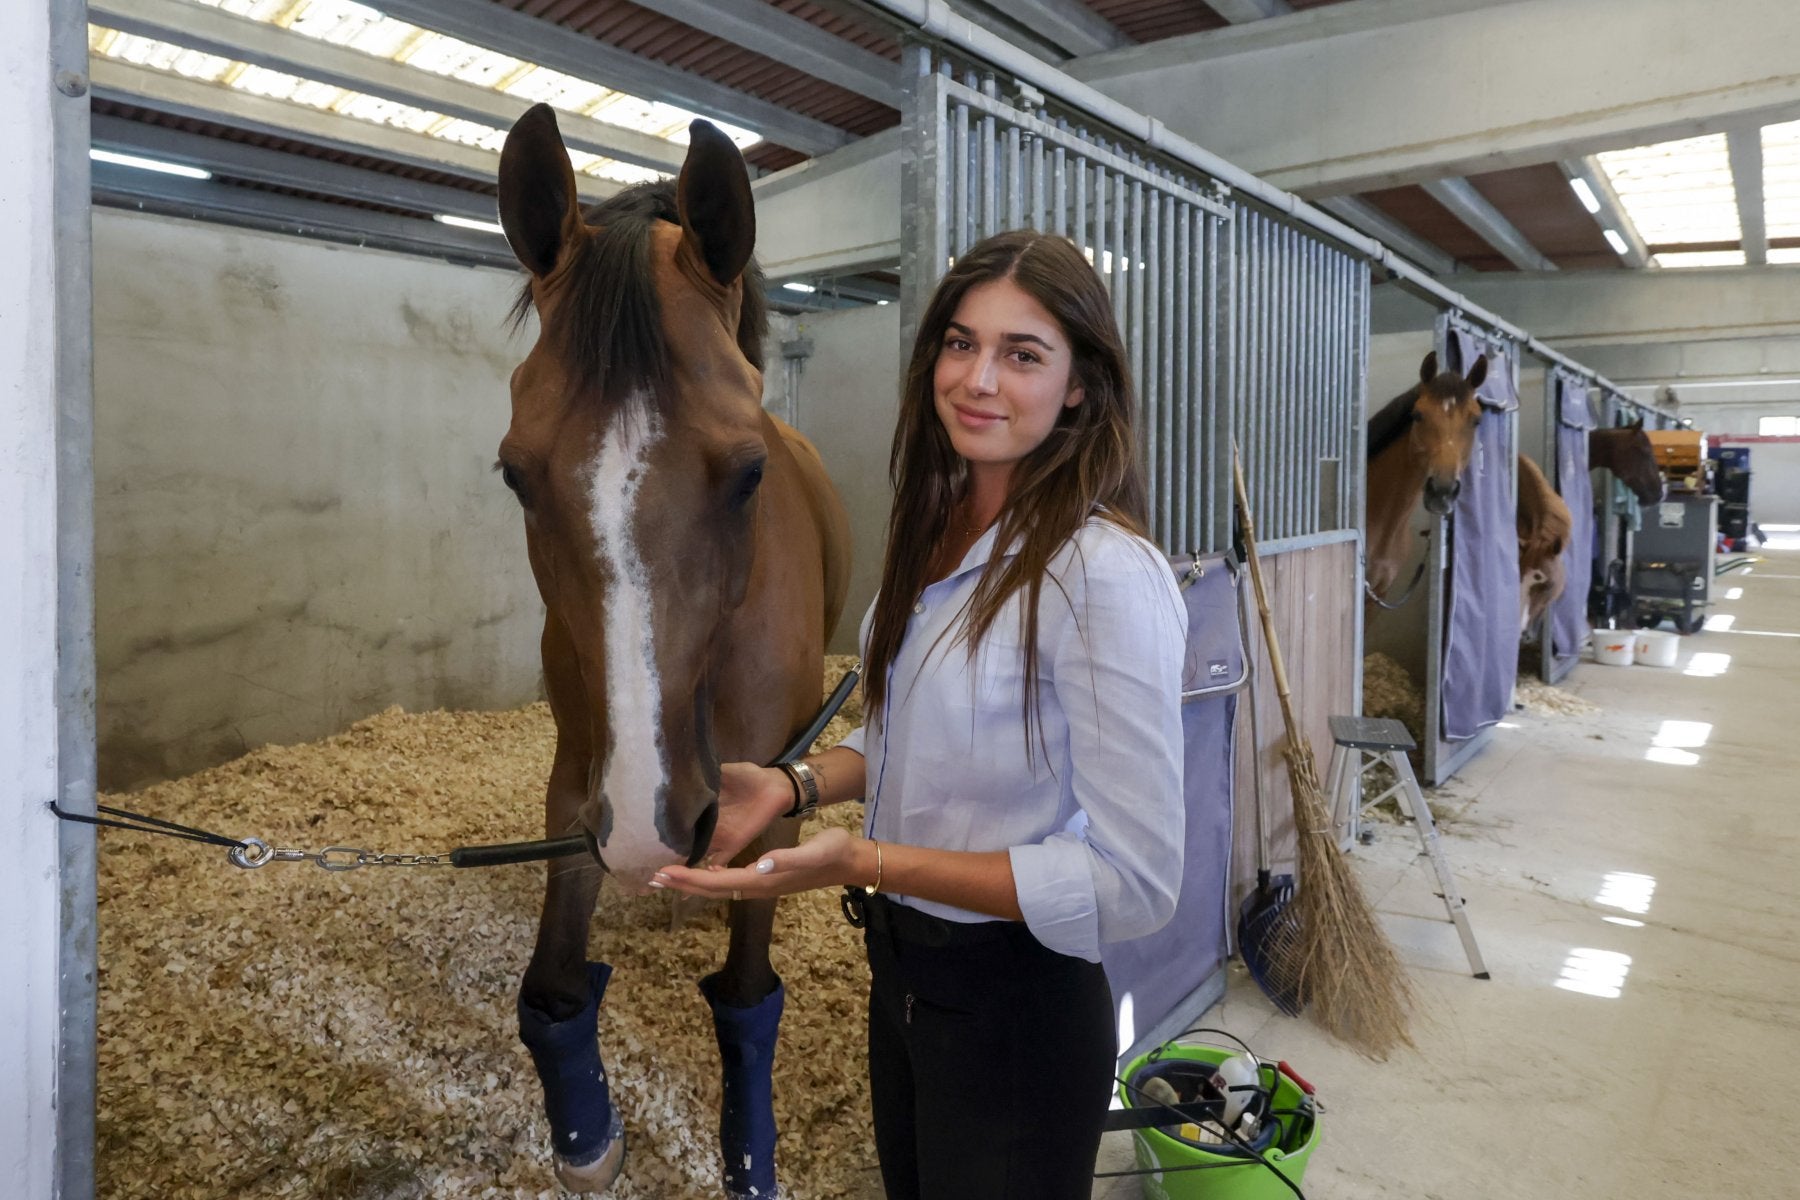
(750, 799)
(827, 859)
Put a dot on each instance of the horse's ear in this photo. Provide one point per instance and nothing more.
(718, 213)
(1428, 369)
(1478, 372)
(538, 207)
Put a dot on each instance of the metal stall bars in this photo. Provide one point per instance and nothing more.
(1236, 322)
(985, 154)
(1568, 418)
(1472, 614)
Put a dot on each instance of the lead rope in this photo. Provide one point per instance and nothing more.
(252, 852)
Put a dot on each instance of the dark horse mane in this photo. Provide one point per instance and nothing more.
(611, 329)
(1389, 425)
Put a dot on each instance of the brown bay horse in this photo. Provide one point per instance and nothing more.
(1628, 454)
(1419, 444)
(1545, 526)
(692, 557)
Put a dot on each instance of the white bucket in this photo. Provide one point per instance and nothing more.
(1655, 648)
(1615, 647)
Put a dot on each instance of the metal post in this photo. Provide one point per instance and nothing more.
(924, 246)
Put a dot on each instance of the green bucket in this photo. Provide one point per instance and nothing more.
(1221, 1176)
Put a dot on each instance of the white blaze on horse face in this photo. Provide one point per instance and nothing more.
(636, 770)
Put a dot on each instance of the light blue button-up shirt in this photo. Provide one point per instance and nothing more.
(1093, 816)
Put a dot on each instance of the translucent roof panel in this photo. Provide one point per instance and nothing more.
(1699, 258)
(1790, 254)
(1781, 180)
(1677, 192)
(360, 27)
(308, 93)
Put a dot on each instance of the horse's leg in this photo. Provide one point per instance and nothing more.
(746, 998)
(559, 998)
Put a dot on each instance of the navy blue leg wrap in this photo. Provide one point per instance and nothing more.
(747, 1116)
(583, 1122)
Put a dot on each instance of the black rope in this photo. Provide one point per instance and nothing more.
(463, 856)
(139, 823)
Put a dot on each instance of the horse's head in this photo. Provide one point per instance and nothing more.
(1444, 415)
(1635, 463)
(636, 449)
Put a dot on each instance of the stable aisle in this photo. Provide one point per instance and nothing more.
(1631, 878)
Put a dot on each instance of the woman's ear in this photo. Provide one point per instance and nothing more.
(1074, 396)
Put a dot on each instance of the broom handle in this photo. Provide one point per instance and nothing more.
(1262, 598)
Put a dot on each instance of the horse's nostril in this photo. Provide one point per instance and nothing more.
(703, 831)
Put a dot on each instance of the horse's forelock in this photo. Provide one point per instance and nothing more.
(608, 326)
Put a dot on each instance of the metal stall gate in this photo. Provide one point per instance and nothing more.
(1472, 615)
(1236, 323)
(1568, 416)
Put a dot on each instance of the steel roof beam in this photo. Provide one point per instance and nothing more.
(1472, 209)
(766, 30)
(1389, 232)
(259, 43)
(1346, 98)
(260, 165)
(146, 191)
(1612, 214)
(1745, 148)
(173, 94)
(1070, 24)
(1242, 12)
(547, 44)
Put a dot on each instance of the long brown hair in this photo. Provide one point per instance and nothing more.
(1089, 460)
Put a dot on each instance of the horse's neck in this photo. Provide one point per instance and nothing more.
(1395, 480)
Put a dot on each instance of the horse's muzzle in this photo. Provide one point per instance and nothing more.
(1439, 501)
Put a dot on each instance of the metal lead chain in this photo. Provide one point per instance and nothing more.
(256, 853)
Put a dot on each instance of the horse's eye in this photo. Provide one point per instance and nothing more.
(510, 478)
(747, 483)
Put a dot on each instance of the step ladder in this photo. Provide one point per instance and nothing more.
(1362, 743)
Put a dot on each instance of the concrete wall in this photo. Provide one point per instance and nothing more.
(297, 524)
(849, 395)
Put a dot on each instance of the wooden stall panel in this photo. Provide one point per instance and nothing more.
(1312, 593)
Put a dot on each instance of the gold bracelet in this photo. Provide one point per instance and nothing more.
(876, 886)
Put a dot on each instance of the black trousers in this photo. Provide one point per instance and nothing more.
(990, 1060)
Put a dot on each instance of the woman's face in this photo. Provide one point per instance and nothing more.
(1004, 373)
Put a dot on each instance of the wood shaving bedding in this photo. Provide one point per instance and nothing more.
(286, 1032)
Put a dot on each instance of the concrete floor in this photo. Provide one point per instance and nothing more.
(1631, 879)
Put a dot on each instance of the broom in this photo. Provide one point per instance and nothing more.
(1333, 953)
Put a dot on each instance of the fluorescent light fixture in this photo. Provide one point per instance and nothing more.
(1586, 195)
(1625, 921)
(470, 223)
(804, 288)
(1615, 241)
(148, 164)
(882, 303)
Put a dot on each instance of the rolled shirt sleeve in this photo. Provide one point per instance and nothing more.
(854, 740)
(1113, 872)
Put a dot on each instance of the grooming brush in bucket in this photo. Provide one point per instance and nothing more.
(1342, 965)
(1271, 1113)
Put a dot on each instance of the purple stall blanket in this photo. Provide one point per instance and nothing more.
(1568, 614)
(1481, 632)
(1151, 976)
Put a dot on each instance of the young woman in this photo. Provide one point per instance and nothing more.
(1021, 762)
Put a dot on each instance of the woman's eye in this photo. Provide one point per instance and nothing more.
(1026, 357)
(958, 344)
